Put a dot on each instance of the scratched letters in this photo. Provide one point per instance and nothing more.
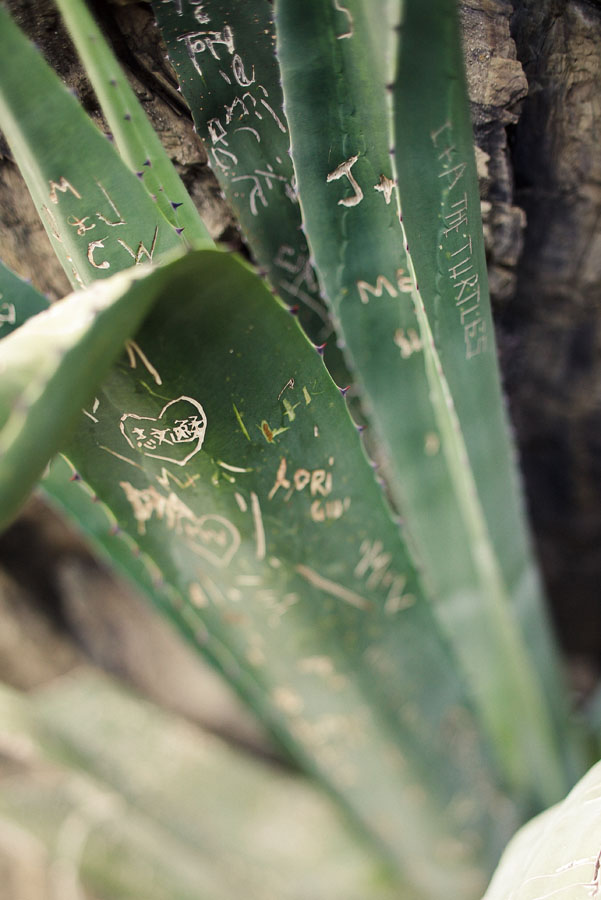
(457, 250)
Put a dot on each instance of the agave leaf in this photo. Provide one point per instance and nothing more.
(143, 836)
(303, 653)
(223, 55)
(84, 509)
(51, 365)
(229, 463)
(99, 217)
(438, 185)
(557, 853)
(19, 300)
(340, 125)
(137, 142)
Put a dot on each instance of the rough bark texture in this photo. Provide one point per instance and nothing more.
(551, 329)
(534, 69)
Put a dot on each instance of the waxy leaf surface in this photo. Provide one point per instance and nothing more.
(98, 215)
(51, 364)
(227, 459)
(336, 62)
(136, 140)
(223, 52)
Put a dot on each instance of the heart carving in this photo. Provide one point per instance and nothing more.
(175, 435)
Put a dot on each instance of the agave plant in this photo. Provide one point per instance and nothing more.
(389, 630)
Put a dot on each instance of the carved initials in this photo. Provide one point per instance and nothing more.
(7, 313)
(348, 34)
(142, 250)
(63, 186)
(120, 219)
(92, 246)
(339, 172)
(364, 287)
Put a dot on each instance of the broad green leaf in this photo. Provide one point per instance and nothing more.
(51, 365)
(223, 55)
(438, 184)
(19, 300)
(76, 500)
(99, 217)
(139, 562)
(335, 65)
(215, 823)
(557, 853)
(137, 142)
(226, 459)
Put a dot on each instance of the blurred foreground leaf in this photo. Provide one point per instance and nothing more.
(103, 793)
(558, 853)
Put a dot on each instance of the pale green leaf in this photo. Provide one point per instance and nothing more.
(137, 142)
(341, 126)
(99, 218)
(226, 459)
(50, 366)
(558, 853)
(124, 801)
